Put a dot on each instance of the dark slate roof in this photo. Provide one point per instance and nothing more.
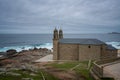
(80, 41)
(111, 47)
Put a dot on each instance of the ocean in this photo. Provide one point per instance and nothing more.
(29, 41)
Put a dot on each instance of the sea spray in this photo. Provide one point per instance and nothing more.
(27, 47)
(114, 44)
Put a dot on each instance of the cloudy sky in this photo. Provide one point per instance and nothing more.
(73, 16)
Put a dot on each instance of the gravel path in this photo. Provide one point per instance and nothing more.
(47, 58)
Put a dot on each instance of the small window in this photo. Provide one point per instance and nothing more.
(89, 46)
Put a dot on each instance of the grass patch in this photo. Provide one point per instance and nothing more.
(27, 74)
(81, 69)
(64, 65)
(9, 77)
(49, 76)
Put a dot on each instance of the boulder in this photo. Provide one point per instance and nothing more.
(11, 52)
(35, 48)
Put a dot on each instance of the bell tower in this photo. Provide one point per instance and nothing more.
(55, 44)
(55, 35)
(60, 34)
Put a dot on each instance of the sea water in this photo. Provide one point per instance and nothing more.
(29, 41)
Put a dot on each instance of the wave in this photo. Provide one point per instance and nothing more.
(27, 47)
(114, 44)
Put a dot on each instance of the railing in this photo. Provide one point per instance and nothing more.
(97, 69)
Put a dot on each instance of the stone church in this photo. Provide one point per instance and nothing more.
(80, 49)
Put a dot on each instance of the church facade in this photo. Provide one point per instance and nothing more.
(80, 49)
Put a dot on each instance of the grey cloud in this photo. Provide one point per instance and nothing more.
(77, 15)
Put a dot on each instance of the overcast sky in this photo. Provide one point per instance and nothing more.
(73, 16)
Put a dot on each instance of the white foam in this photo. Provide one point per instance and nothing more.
(27, 47)
(114, 44)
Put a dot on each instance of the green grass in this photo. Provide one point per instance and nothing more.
(81, 69)
(26, 74)
(9, 77)
(64, 65)
(49, 76)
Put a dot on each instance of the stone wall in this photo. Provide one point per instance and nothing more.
(68, 51)
(118, 51)
(55, 49)
(81, 52)
(107, 61)
(87, 52)
(110, 54)
(103, 51)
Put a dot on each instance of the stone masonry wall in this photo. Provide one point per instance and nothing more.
(107, 53)
(87, 52)
(55, 49)
(110, 54)
(81, 52)
(68, 52)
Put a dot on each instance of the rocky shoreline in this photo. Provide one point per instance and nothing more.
(23, 59)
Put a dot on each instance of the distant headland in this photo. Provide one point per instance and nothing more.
(114, 33)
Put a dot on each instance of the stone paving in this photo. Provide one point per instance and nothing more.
(112, 70)
(47, 58)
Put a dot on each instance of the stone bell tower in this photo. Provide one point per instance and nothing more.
(55, 44)
(60, 34)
